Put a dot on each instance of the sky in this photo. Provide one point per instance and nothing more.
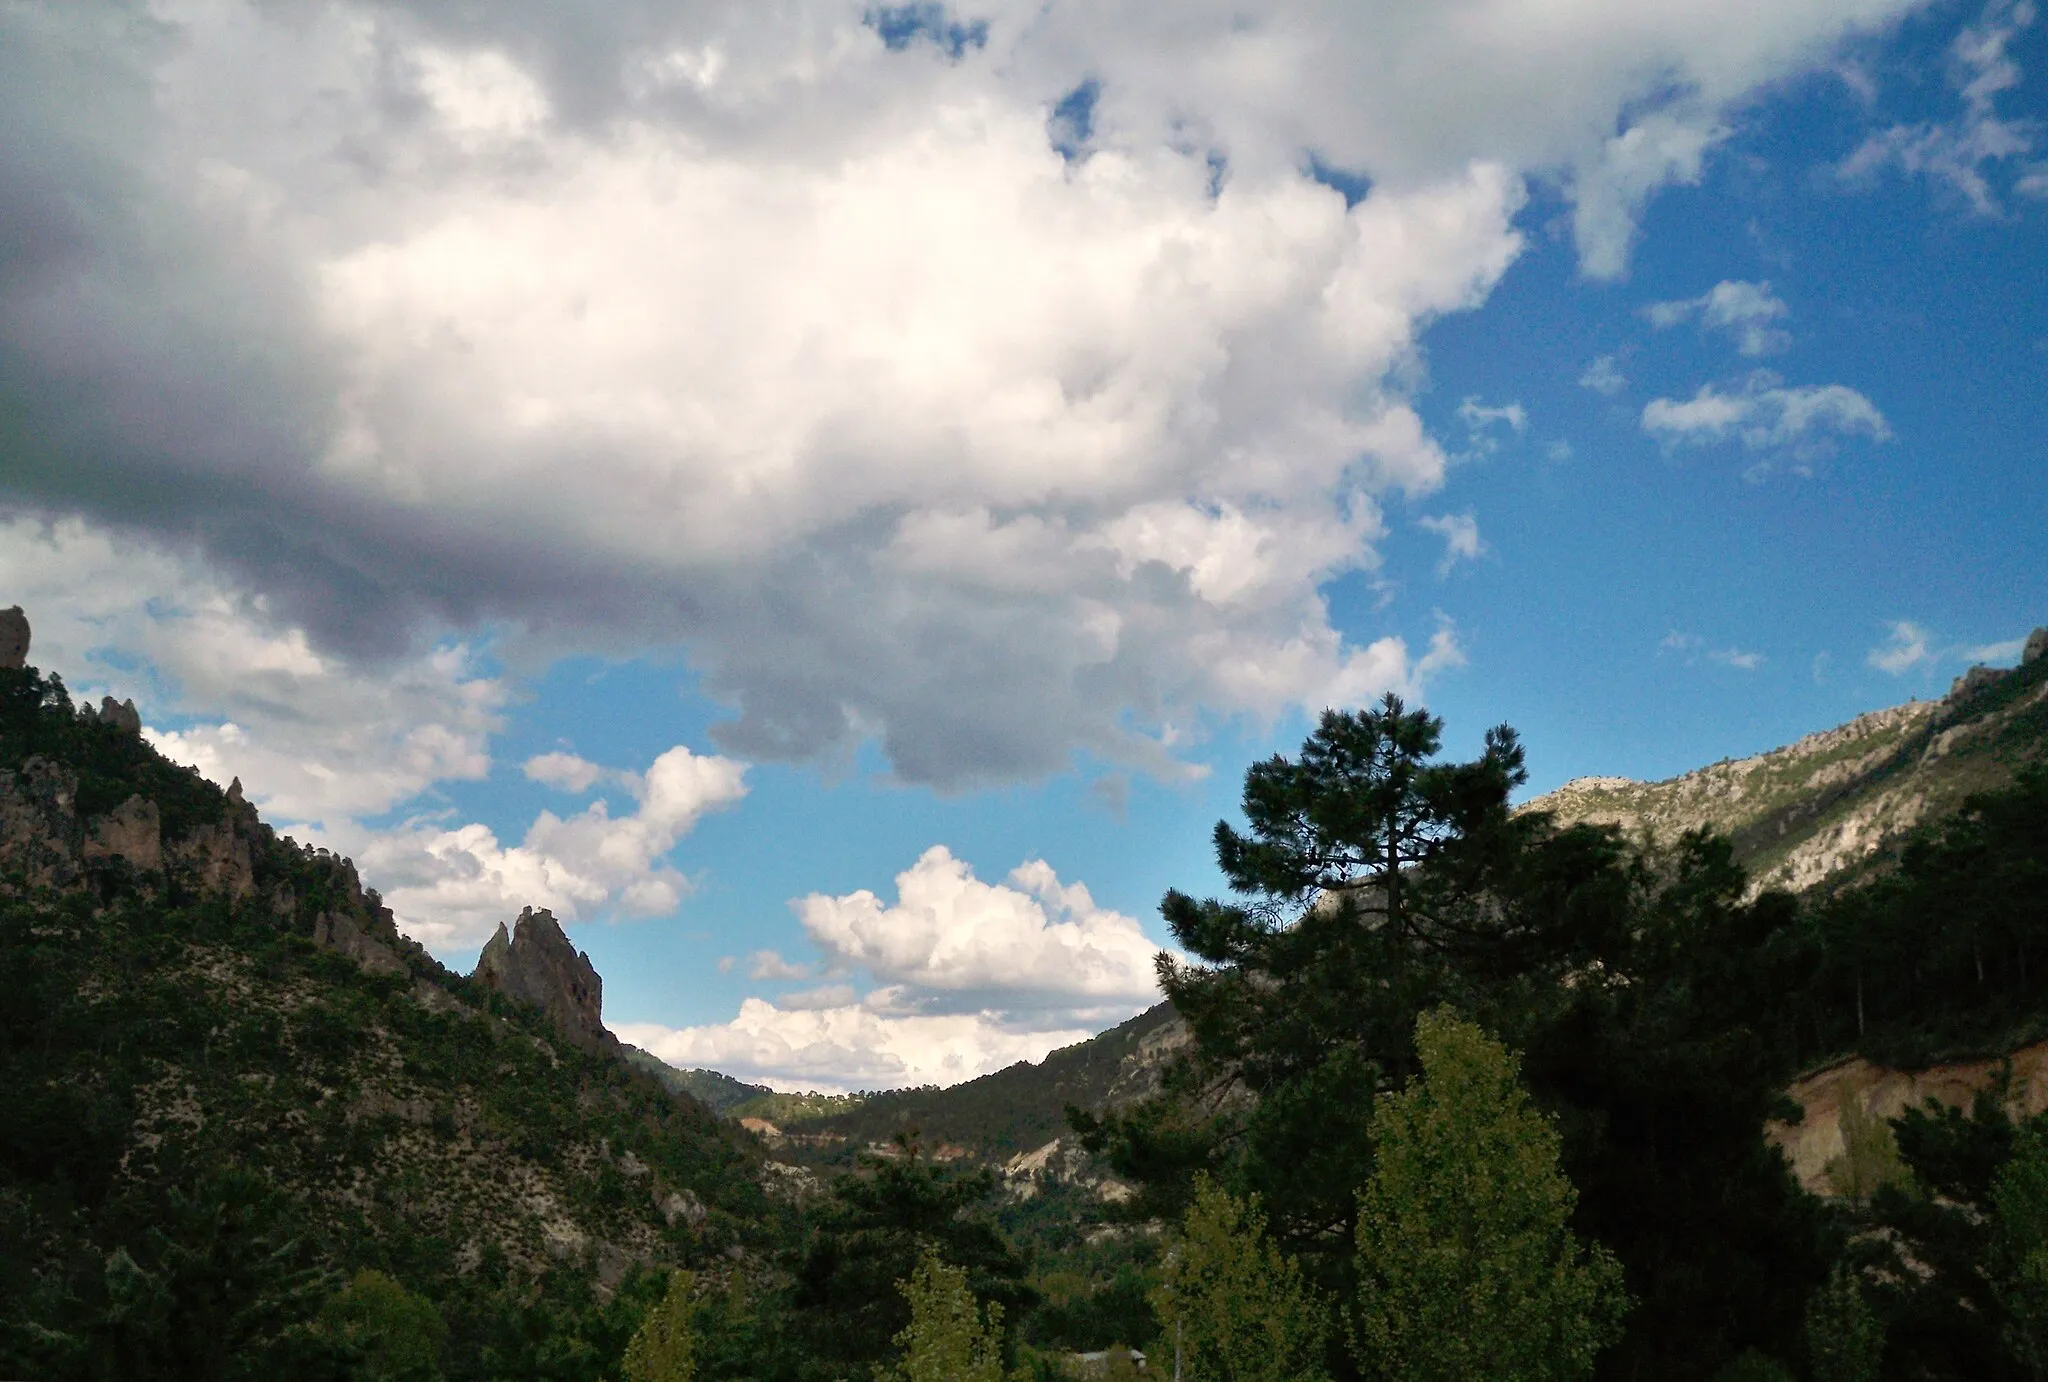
(829, 499)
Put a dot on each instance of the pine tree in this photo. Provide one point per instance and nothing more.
(2019, 1247)
(1468, 1267)
(1233, 1307)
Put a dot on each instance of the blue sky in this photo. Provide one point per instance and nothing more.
(691, 468)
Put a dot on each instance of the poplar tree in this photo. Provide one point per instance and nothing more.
(1468, 1268)
(665, 1347)
(1233, 1307)
(949, 1338)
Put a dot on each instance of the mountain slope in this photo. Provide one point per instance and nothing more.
(1822, 808)
(217, 1051)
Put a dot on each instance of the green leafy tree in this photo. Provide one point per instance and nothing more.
(664, 1349)
(1233, 1307)
(398, 1335)
(2019, 1212)
(1752, 1366)
(948, 1339)
(1870, 1154)
(1844, 1336)
(1468, 1266)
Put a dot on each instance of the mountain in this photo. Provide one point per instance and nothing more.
(222, 1063)
(1825, 808)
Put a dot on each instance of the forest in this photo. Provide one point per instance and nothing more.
(1471, 1095)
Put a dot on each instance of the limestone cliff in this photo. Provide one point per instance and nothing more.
(1821, 808)
(535, 963)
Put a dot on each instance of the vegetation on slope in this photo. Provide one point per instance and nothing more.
(1016, 1109)
(213, 1122)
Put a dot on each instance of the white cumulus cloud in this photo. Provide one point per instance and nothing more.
(1749, 312)
(1765, 414)
(1907, 647)
(962, 977)
(449, 886)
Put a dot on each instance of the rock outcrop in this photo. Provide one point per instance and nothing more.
(1814, 1143)
(13, 639)
(2037, 647)
(535, 963)
(120, 714)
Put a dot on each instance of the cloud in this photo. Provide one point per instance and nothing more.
(1611, 186)
(1481, 420)
(1692, 648)
(2008, 650)
(1958, 152)
(1747, 311)
(1737, 658)
(566, 771)
(850, 1047)
(1462, 542)
(963, 977)
(1905, 649)
(385, 309)
(228, 686)
(1765, 414)
(322, 745)
(951, 940)
(768, 964)
(450, 885)
(1603, 376)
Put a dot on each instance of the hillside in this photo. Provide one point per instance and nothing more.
(1015, 1110)
(1822, 808)
(219, 1058)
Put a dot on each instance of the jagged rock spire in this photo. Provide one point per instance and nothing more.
(535, 963)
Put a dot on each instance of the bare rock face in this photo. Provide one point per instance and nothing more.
(1816, 1141)
(39, 824)
(345, 933)
(132, 831)
(535, 963)
(13, 639)
(2037, 646)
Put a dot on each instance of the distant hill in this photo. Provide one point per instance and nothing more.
(719, 1093)
(997, 1117)
(1827, 807)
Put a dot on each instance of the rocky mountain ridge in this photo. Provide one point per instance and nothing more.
(1823, 808)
